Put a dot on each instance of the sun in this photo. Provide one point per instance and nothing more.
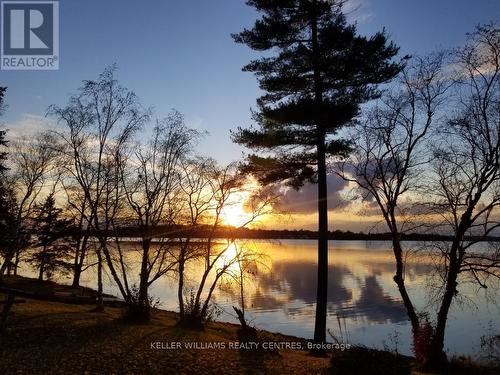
(235, 215)
(236, 212)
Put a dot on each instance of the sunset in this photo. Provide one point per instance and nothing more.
(249, 187)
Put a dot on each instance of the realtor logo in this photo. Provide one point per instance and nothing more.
(29, 35)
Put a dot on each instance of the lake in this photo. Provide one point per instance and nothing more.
(364, 306)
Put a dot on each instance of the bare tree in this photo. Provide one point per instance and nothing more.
(458, 180)
(152, 190)
(195, 207)
(100, 121)
(467, 174)
(208, 194)
(248, 262)
(390, 154)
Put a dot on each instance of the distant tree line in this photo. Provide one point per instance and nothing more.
(202, 231)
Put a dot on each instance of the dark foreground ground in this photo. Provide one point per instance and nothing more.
(47, 337)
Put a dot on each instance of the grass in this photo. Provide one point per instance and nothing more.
(48, 290)
(47, 337)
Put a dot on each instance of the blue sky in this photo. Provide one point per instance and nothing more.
(179, 54)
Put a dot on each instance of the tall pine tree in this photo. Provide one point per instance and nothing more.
(318, 73)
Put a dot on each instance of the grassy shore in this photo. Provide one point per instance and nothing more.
(47, 337)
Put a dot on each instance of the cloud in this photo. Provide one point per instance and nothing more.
(304, 201)
(29, 125)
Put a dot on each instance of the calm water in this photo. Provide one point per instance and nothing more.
(363, 302)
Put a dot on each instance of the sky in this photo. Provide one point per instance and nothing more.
(180, 54)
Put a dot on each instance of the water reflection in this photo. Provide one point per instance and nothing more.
(361, 293)
(376, 306)
(298, 281)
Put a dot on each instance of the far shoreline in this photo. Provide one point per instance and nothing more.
(243, 233)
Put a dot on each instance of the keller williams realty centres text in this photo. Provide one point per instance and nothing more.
(235, 345)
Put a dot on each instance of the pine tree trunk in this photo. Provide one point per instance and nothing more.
(322, 288)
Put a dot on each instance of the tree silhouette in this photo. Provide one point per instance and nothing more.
(6, 197)
(390, 162)
(6, 217)
(313, 87)
(3, 168)
(31, 163)
(53, 244)
(151, 189)
(100, 121)
(3, 141)
(466, 162)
